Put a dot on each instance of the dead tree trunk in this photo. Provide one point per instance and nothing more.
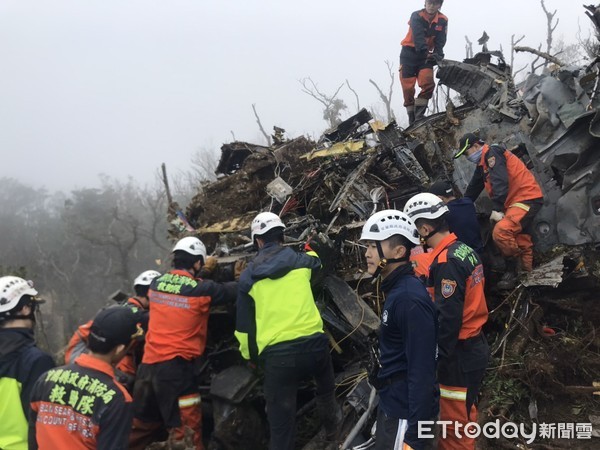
(549, 28)
(260, 127)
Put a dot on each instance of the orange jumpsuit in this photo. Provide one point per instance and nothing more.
(514, 191)
(425, 40)
(456, 284)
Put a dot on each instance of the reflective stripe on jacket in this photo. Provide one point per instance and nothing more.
(456, 283)
(275, 303)
(505, 177)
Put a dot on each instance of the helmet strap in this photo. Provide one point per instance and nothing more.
(383, 261)
(434, 231)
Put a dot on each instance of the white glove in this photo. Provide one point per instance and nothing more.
(496, 216)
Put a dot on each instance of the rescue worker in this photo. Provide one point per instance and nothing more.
(166, 391)
(82, 405)
(462, 216)
(422, 48)
(127, 367)
(456, 284)
(516, 198)
(406, 381)
(280, 328)
(21, 362)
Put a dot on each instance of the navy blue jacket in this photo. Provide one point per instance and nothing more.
(21, 363)
(408, 346)
(462, 221)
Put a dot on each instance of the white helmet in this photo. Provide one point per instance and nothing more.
(145, 278)
(191, 245)
(264, 222)
(384, 224)
(425, 206)
(11, 291)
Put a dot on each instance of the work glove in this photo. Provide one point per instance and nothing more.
(496, 216)
(238, 268)
(210, 264)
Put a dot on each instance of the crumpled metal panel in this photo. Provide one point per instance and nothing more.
(549, 274)
(472, 83)
(356, 312)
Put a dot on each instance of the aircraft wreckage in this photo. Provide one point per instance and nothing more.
(542, 334)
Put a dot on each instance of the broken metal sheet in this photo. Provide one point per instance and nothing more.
(234, 154)
(409, 165)
(346, 128)
(279, 189)
(338, 149)
(353, 308)
(351, 195)
(549, 274)
(233, 384)
(234, 225)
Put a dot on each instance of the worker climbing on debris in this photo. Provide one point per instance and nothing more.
(406, 378)
(126, 369)
(462, 216)
(516, 199)
(456, 284)
(21, 362)
(166, 391)
(280, 328)
(422, 48)
(82, 405)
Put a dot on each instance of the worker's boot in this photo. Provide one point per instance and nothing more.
(331, 416)
(410, 110)
(510, 277)
(420, 108)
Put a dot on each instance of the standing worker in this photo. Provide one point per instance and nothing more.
(516, 198)
(21, 362)
(462, 216)
(279, 327)
(406, 381)
(126, 369)
(82, 405)
(456, 284)
(166, 390)
(422, 48)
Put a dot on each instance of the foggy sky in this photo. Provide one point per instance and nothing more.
(120, 86)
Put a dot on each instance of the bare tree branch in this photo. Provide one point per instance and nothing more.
(513, 43)
(355, 95)
(260, 127)
(387, 99)
(540, 54)
(333, 105)
(468, 48)
(549, 28)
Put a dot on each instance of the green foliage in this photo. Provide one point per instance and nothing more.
(503, 391)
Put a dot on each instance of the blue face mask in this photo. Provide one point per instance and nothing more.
(475, 157)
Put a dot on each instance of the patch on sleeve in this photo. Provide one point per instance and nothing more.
(491, 161)
(448, 287)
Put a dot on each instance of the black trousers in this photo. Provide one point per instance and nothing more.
(283, 374)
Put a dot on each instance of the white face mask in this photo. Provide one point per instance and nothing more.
(475, 157)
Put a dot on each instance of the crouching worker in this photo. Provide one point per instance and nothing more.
(166, 391)
(279, 327)
(406, 380)
(82, 405)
